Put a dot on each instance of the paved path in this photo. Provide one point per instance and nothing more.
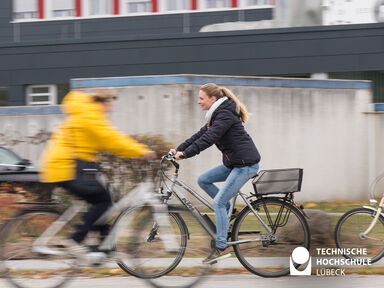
(231, 281)
(227, 263)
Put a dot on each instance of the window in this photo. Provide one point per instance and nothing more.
(216, 4)
(99, 7)
(24, 9)
(173, 5)
(250, 3)
(3, 96)
(41, 95)
(62, 8)
(9, 157)
(62, 90)
(137, 6)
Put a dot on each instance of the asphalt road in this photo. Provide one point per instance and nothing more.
(230, 281)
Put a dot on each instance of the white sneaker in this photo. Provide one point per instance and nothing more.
(84, 254)
(75, 248)
(44, 250)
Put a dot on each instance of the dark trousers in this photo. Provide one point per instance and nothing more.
(94, 193)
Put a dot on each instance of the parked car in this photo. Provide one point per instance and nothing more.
(10, 161)
(19, 176)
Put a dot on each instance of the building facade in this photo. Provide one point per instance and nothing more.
(41, 26)
(45, 43)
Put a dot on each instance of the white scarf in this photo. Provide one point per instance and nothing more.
(213, 107)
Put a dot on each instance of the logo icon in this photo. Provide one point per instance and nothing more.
(300, 257)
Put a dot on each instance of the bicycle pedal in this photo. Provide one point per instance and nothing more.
(265, 243)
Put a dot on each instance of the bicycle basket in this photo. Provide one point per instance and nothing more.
(278, 181)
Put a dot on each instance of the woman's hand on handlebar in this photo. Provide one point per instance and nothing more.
(178, 155)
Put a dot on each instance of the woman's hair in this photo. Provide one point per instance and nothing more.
(102, 95)
(212, 89)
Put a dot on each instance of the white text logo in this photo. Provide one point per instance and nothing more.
(300, 257)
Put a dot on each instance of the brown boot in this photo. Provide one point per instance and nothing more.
(217, 255)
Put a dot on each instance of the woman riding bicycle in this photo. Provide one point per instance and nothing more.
(72, 150)
(224, 127)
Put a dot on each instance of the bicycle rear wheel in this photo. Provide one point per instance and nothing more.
(271, 257)
(150, 254)
(348, 232)
(22, 265)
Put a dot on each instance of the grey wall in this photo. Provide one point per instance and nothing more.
(6, 31)
(375, 152)
(323, 131)
(318, 125)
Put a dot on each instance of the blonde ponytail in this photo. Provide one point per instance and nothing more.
(212, 89)
(240, 108)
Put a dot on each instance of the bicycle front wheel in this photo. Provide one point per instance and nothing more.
(22, 264)
(269, 257)
(133, 221)
(150, 254)
(349, 230)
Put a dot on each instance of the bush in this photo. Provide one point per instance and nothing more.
(122, 174)
(125, 174)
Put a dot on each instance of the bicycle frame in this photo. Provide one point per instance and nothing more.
(378, 210)
(196, 213)
(374, 221)
(140, 196)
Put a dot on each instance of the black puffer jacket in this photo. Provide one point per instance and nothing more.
(226, 131)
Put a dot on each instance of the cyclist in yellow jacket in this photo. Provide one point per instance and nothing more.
(85, 132)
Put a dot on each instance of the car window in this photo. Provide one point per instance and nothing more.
(7, 157)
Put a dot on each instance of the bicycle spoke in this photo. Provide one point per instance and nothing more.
(269, 257)
(289, 243)
(187, 261)
(22, 266)
(349, 228)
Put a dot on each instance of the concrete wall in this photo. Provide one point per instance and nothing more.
(376, 152)
(318, 125)
(24, 124)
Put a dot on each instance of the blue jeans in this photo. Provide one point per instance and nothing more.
(233, 180)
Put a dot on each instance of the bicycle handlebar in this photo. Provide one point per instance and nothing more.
(171, 158)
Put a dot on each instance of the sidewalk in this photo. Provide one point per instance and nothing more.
(232, 262)
(230, 281)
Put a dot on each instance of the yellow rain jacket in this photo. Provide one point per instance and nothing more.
(85, 132)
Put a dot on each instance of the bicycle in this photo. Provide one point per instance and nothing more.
(268, 226)
(363, 227)
(33, 255)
